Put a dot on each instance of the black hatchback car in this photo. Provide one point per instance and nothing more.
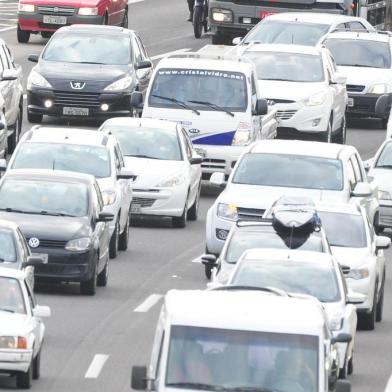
(87, 71)
(60, 215)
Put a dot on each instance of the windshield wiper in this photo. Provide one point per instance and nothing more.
(384, 166)
(178, 102)
(214, 106)
(55, 213)
(89, 62)
(196, 385)
(7, 310)
(140, 156)
(9, 209)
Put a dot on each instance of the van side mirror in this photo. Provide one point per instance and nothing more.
(354, 298)
(342, 338)
(33, 58)
(139, 378)
(126, 175)
(105, 217)
(10, 74)
(343, 386)
(41, 311)
(34, 260)
(137, 100)
(261, 107)
(382, 242)
(383, 105)
(338, 78)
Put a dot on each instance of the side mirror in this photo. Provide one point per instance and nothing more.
(196, 160)
(343, 386)
(3, 164)
(236, 40)
(261, 107)
(126, 175)
(383, 105)
(362, 189)
(209, 260)
(41, 311)
(33, 58)
(139, 378)
(382, 242)
(143, 64)
(33, 261)
(105, 217)
(354, 298)
(217, 178)
(338, 78)
(10, 74)
(342, 338)
(137, 100)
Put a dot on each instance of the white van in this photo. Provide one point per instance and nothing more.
(237, 339)
(216, 98)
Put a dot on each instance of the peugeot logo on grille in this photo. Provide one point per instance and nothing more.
(34, 242)
(77, 85)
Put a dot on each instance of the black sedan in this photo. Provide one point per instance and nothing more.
(87, 71)
(60, 215)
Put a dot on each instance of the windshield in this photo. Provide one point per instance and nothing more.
(241, 241)
(291, 276)
(78, 158)
(44, 197)
(147, 142)
(293, 67)
(385, 158)
(293, 171)
(363, 53)
(7, 247)
(225, 89)
(11, 297)
(286, 32)
(213, 358)
(344, 230)
(95, 49)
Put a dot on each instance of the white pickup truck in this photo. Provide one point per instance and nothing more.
(215, 97)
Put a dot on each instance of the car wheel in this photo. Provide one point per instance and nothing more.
(34, 118)
(180, 221)
(350, 365)
(125, 20)
(23, 36)
(113, 245)
(380, 303)
(89, 287)
(103, 276)
(14, 138)
(37, 366)
(198, 20)
(367, 321)
(23, 380)
(124, 237)
(193, 212)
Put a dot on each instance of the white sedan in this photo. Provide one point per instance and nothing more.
(168, 168)
(21, 328)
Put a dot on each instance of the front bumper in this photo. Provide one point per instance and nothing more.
(119, 103)
(363, 105)
(12, 361)
(34, 21)
(385, 213)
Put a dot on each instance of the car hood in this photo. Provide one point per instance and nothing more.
(49, 227)
(333, 309)
(151, 172)
(366, 76)
(293, 91)
(352, 257)
(106, 184)
(383, 178)
(96, 76)
(14, 324)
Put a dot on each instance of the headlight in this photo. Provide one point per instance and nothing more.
(219, 15)
(380, 88)
(172, 181)
(336, 323)
(243, 135)
(26, 7)
(358, 273)
(109, 197)
(78, 244)
(120, 84)
(13, 342)
(87, 11)
(316, 99)
(384, 195)
(227, 211)
(35, 79)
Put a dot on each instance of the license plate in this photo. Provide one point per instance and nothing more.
(75, 111)
(43, 255)
(58, 20)
(135, 208)
(350, 102)
(264, 14)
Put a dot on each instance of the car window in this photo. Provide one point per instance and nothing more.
(11, 295)
(341, 26)
(356, 26)
(7, 247)
(137, 52)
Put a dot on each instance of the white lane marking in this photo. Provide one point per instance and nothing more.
(134, 1)
(7, 28)
(197, 259)
(96, 366)
(160, 56)
(148, 303)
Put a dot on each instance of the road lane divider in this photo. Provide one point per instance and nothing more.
(96, 366)
(148, 303)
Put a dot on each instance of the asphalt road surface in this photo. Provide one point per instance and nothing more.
(92, 342)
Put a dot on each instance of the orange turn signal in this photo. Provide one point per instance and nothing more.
(22, 342)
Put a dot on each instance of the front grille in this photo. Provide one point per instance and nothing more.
(86, 100)
(213, 163)
(250, 213)
(285, 114)
(49, 10)
(277, 100)
(143, 201)
(52, 243)
(355, 88)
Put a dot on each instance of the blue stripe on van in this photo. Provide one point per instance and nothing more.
(219, 139)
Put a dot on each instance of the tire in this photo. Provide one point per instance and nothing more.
(125, 20)
(89, 287)
(34, 118)
(380, 302)
(207, 271)
(113, 245)
(102, 279)
(37, 366)
(193, 212)
(367, 321)
(350, 365)
(180, 221)
(23, 36)
(124, 237)
(377, 229)
(341, 136)
(14, 138)
(23, 380)
(198, 14)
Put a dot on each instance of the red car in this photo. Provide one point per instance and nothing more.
(46, 16)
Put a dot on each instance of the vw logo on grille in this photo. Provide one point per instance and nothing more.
(34, 242)
(56, 9)
(77, 85)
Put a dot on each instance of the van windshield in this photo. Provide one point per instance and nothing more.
(220, 89)
(213, 359)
